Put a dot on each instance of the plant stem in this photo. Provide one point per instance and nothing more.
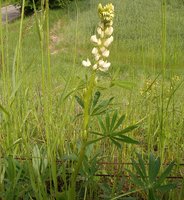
(87, 102)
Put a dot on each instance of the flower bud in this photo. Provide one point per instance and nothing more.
(95, 67)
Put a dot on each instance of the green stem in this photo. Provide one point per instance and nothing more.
(87, 102)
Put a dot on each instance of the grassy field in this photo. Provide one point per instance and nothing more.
(43, 82)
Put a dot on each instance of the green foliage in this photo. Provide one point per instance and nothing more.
(108, 194)
(97, 106)
(15, 180)
(150, 179)
(29, 4)
(111, 128)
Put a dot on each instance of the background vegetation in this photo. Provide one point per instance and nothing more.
(42, 74)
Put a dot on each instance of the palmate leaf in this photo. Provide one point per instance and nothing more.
(110, 124)
(151, 183)
(101, 106)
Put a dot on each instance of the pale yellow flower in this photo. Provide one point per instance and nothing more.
(86, 63)
(106, 53)
(94, 39)
(94, 51)
(109, 31)
(108, 41)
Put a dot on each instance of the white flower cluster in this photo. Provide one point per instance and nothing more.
(102, 40)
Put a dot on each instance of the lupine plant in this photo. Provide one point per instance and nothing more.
(110, 129)
(149, 179)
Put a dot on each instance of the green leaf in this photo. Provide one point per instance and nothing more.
(126, 139)
(96, 98)
(107, 122)
(151, 195)
(96, 133)
(126, 130)
(166, 172)
(167, 187)
(102, 126)
(121, 119)
(154, 167)
(136, 180)
(141, 164)
(102, 105)
(36, 159)
(94, 141)
(80, 101)
(113, 121)
(62, 195)
(116, 143)
(139, 170)
(100, 112)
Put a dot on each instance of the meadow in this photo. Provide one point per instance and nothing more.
(65, 134)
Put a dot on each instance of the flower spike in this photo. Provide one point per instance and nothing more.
(103, 39)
